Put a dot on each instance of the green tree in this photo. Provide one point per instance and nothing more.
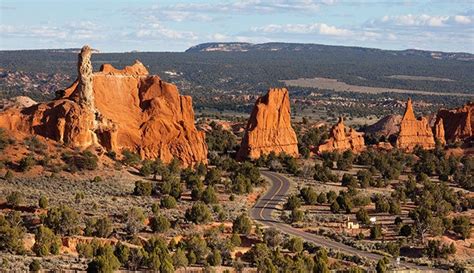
(242, 224)
(168, 202)
(46, 242)
(180, 259)
(104, 262)
(295, 244)
(11, 238)
(159, 223)
(375, 232)
(209, 195)
(62, 220)
(215, 258)
(462, 226)
(143, 188)
(362, 216)
(199, 213)
(293, 202)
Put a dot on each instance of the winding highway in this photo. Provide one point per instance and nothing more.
(267, 204)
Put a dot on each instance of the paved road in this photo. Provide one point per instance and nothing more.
(262, 212)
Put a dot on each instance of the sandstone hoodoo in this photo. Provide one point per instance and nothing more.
(458, 124)
(269, 127)
(341, 140)
(414, 132)
(116, 109)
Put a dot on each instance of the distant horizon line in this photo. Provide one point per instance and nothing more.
(99, 51)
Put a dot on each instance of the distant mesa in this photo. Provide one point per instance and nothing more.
(116, 109)
(341, 139)
(269, 127)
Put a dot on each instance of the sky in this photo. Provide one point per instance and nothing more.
(118, 26)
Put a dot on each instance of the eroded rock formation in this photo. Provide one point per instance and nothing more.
(414, 132)
(117, 109)
(341, 140)
(388, 125)
(458, 123)
(269, 127)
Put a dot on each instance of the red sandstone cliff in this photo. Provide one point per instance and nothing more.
(458, 123)
(117, 109)
(414, 132)
(269, 127)
(340, 140)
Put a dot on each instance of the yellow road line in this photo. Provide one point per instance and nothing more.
(279, 188)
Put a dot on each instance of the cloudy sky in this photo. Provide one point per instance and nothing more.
(112, 26)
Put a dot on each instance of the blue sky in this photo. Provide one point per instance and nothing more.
(115, 26)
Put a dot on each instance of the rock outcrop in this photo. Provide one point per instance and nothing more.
(458, 123)
(414, 132)
(341, 140)
(269, 127)
(117, 109)
(439, 132)
(388, 125)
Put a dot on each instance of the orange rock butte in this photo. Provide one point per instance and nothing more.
(116, 109)
(458, 123)
(414, 132)
(269, 127)
(340, 140)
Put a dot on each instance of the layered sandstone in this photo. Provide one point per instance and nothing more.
(458, 123)
(117, 109)
(269, 127)
(341, 139)
(414, 132)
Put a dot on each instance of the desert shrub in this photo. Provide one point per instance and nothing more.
(436, 249)
(85, 250)
(375, 232)
(362, 216)
(209, 195)
(199, 213)
(8, 175)
(348, 180)
(85, 160)
(242, 224)
(134, 219)
(46, 242)
(462, 226)
(130, 158)
(292, 202)
(35, 145)
(11, 238)
(296, 215)
(295, 244)
(324, 174)
(235, 239)
(309, 195)
(179, 258)
(3, 139)
(35, 266)
(62, 220)
(26, 163)
(14, 199)
(215, 258)
(159, 223)
(98, 227)
(122, 252)
(143, 188)
(43, 202)
(168, 202)
(104, 262)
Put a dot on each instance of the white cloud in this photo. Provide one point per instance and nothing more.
(73, 31)
(319, 28)
(423, 20)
